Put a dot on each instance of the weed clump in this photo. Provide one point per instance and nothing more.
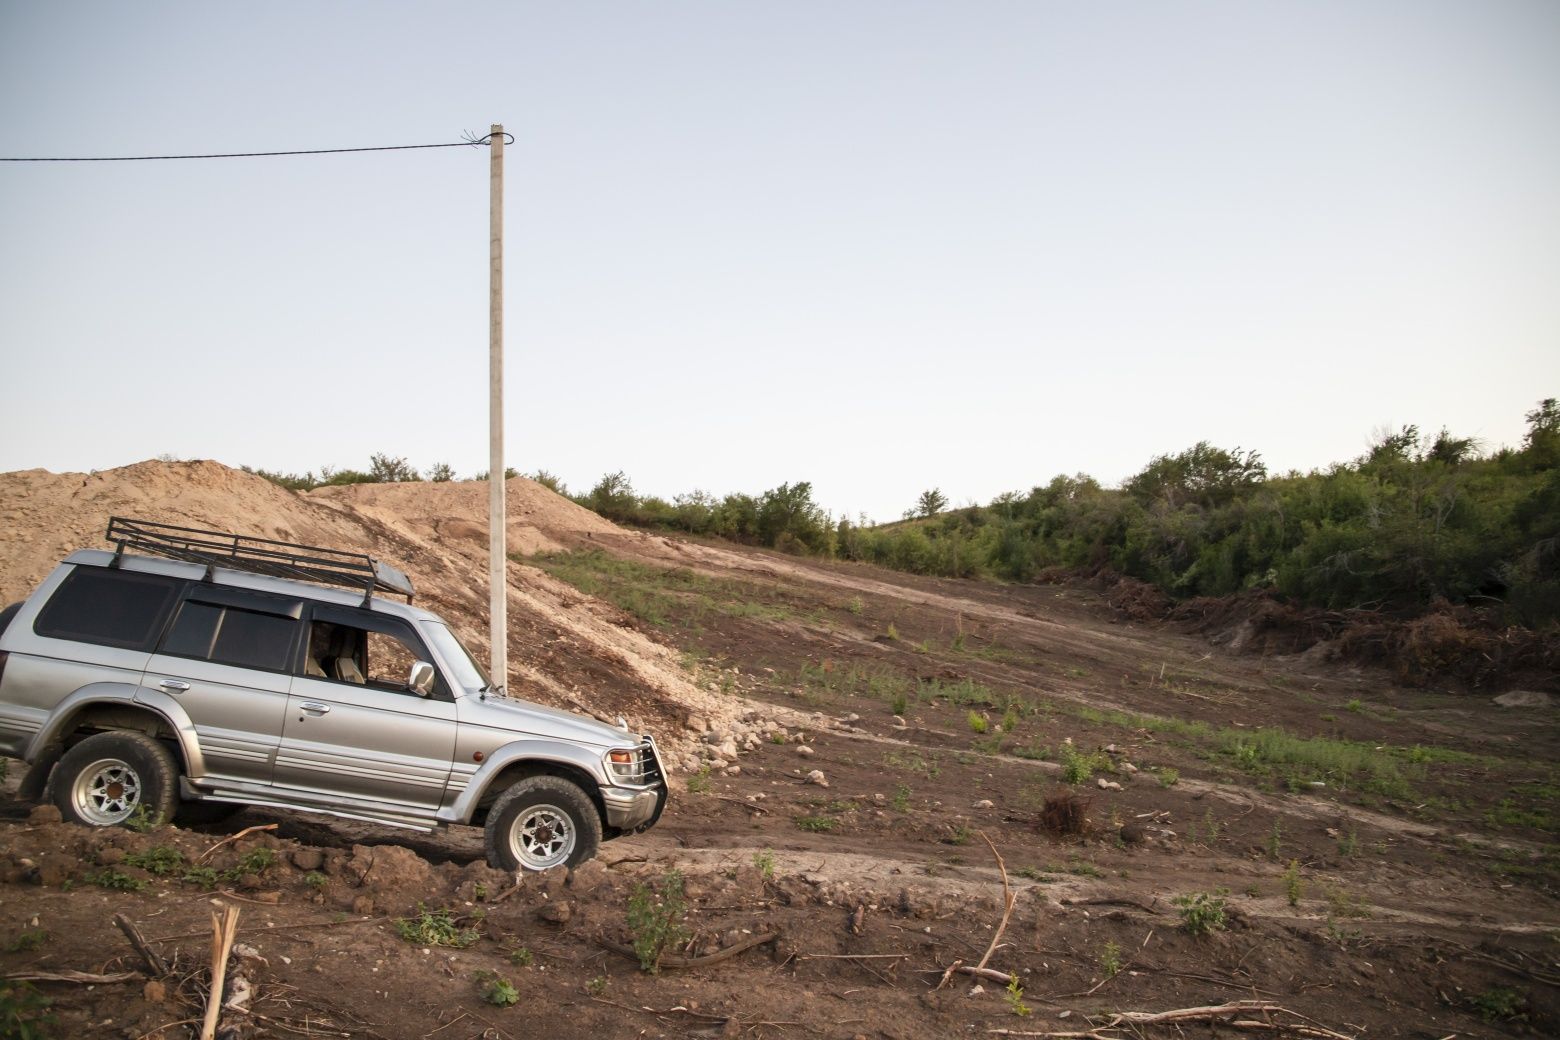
(1065, 814)
(435, 928)
(655, 919)
(1202, 912)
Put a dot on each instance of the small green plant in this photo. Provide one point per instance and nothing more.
(255, 861)
(30, 939)
(521, 957)
(1276, 841)
(205, 877)
(1033, 874)
(1010, 719)
(900, 702)
(901, 799)
(115, 880)
(1293, 886)
(977, 722)
(24, 1012)
(1078, 767)
(655, 919)
(159, 860)
(817, 824)
(1015, 997)
(140, 820)
(699, 783)
(1202, 912)
(961, 836)
(1110, 960)
(856, 605)
(1168, 777)
(1348, 844)
(1498, 1004)
(892, 633)
(596, 986)
(479, 892)
(765, 862)
(1355, 706)
(435, 928)
(1343, 903)
(315, 880)
(497, 990)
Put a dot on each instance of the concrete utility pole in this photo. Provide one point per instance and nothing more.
(498, 557)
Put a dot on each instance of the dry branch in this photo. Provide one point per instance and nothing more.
(84, 977)
(695, 962)
(231, 838)
(154, 963)
(1223, 1014)
(223, 927)
(1007, 902)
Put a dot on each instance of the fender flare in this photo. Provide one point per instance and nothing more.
(550, 752)
(118, 694)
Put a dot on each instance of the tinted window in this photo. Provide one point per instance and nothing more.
(112, 607)
(230, 635)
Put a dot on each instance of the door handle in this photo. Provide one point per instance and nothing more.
(315, 708)
(174, 685)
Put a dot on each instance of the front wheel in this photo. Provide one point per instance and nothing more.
(540, 823)
(115, 778)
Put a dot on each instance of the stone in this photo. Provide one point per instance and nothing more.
(45, 814)
(154, 992)
(1525, 699)
(804, 750)
(985, 803)
(556, 913)
(110, 856)
(363, 905)
(1134, 833)
(307, 859)
(817, 777)
(1107, 785)
(733, 770)
(1128, 767)
(728, 748)
(698, 723)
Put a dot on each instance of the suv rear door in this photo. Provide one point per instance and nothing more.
(352, 725)
(228, 659)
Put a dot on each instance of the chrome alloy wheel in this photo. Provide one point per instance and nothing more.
(106, 792)
(543, 836)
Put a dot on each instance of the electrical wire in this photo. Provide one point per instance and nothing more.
(468, 143)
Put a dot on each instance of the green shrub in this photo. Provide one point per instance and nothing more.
(655, 919)
(1201, 912)
(435, 928)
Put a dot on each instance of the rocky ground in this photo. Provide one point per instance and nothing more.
(870, 762)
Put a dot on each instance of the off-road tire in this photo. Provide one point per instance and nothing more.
(114, 778)
(522, 827)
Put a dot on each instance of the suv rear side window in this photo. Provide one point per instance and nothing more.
(110, 607)
(232, 635)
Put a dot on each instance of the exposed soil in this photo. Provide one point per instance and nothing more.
(1385, 855)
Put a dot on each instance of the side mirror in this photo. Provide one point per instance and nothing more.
(420, 680)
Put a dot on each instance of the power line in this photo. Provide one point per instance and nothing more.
(468, 143)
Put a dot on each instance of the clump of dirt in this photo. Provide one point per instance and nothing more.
(567, 650)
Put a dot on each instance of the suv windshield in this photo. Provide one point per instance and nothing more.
(468, 673)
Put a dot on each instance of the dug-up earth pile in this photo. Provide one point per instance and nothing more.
(566, 650)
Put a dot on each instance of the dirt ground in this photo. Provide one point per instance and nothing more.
(1377, 861)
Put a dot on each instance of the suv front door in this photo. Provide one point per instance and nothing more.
(353, 728)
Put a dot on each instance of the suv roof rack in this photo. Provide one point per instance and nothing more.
(258, 555)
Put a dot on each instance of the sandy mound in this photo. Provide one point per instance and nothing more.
(566, 649)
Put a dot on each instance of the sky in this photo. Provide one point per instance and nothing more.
(878, 246)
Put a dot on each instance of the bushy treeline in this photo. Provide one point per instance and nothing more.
(386, 469)
(1415, 519)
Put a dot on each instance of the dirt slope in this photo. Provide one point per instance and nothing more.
(565, 649)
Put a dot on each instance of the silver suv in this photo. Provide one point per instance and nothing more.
(191, 673)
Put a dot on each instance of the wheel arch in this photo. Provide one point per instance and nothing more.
(102, 707)
(523, 769)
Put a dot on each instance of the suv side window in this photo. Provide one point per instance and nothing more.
(114, 607)
(226, 633)
(365, 649)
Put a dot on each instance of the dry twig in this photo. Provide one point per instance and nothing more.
(223, 928)
(154, 963)
(231, 838)
(68, 975)
(695, 962)
(1007, 902)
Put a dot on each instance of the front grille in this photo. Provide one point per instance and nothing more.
(643, 771)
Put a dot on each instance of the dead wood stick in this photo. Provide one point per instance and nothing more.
(852, 956)
(160, 1029)
(1007, 902)
(986, 973)
(696, 962)
(948, 975)
(84, 977)
(746, 805)
(223, 927)
(278, 928)
(231, 838)
(154, 963)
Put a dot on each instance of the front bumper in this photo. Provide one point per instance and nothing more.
(629, 809)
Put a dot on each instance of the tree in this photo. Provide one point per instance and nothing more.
(613, 496)
(1542, 443)
(931, 503)
(441, 473)
(550, 481)
(390, 469)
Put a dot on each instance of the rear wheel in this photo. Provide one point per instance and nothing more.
(542, 822)
(114, 778)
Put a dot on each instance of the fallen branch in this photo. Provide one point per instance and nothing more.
(1223, 1014)
(1007, 902)
(84, 977)
(745, 804)
(851, 956)
(695, 962)
(154, 963)
(948, 974)
(278, 928)
(231, 838)
(223, 928)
